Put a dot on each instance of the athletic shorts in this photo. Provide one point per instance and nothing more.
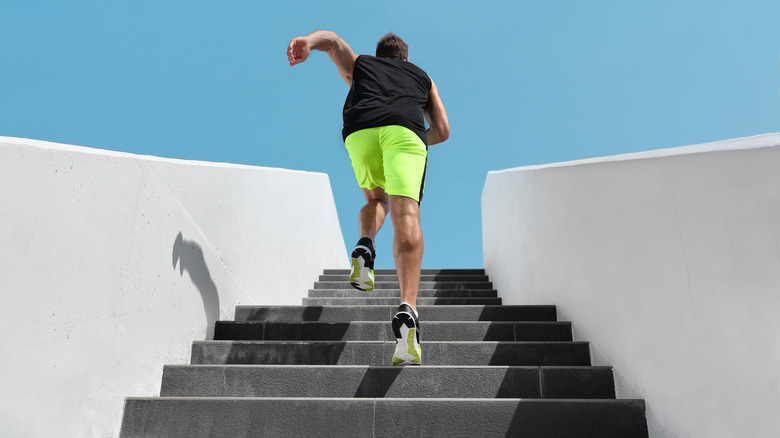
(391, 157)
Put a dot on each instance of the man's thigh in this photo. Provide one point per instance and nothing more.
(365, 154)
(405, 158)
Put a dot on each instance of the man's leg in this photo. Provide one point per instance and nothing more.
(370, 220)
(408, 251)
(407, 245)
(372, 215)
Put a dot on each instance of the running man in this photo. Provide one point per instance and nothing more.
(389, 101)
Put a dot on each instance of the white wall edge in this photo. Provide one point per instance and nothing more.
(745, 143)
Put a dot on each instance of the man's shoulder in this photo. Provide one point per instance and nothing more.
(396, 63)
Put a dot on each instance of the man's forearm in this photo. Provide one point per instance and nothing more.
(323, 40)
(433, 136)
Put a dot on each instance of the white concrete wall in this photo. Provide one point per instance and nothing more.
(668, 262)
(111, 264)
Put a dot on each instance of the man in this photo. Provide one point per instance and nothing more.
(389, 101)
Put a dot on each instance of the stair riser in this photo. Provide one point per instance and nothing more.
(385, 313)
(395, 293)
(382, 417)
(380, 353)
(445, 278)
(396, 301)
(395, 286)
(414, 382)
(381, 331)
(443, 272)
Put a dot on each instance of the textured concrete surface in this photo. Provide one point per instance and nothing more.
(394, 278)
(423, 301)
(380, 352)
(386, 312)
(393, 285)
(395, 293)
(381, 417)
(444, 273)
(387, 381)
(381, 330)
(243, 417)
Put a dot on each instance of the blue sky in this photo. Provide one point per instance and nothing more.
(523, 82)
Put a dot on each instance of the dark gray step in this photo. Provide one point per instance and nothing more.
(385, 313)
(379, 301)
(383, 417)
(381, 331)
(387, 381)
(380, 353)
(386, 277)
(421, 285)
(422, 272)
(387, 293)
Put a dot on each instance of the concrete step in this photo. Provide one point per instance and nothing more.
(442, 272)
(381, 417)
(381, 331)
(421, 285)
(387, 381)
(379, 353)
(386, 277)
(378, 301)
(385, 313)
(395, 293)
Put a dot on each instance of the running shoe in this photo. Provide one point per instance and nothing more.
(362, 277)
(406, 328)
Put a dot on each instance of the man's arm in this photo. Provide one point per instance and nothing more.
(325, 41)
(436, 115)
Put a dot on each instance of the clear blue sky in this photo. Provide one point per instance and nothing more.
(523, 82)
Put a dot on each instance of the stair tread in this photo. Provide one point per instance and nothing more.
(516, 366)
(385, 312)
(391, 367)
(358, 330)
(388, 381)
(423, 271)
(360, 417)
(380, 352)
(356, 301)
(393, 399)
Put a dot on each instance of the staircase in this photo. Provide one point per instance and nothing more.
(322, 370)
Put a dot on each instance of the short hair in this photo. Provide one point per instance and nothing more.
(393, 47)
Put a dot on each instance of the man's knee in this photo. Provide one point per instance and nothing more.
(405, 208)
(405, 213)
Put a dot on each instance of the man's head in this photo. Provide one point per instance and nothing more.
(393, 47)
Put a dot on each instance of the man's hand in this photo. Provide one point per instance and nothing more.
(326, 41)
(298, 50)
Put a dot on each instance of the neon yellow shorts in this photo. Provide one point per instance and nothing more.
(391, 157)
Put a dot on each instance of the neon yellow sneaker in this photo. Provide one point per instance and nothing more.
(406, 328)
(362, 276)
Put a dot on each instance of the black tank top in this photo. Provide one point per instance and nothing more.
(386, 92)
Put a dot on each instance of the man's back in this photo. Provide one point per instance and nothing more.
(386, 92)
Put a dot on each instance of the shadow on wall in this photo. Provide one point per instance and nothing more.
(189, 256)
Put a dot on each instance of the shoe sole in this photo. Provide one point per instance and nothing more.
(407, 349)
(362, 277)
